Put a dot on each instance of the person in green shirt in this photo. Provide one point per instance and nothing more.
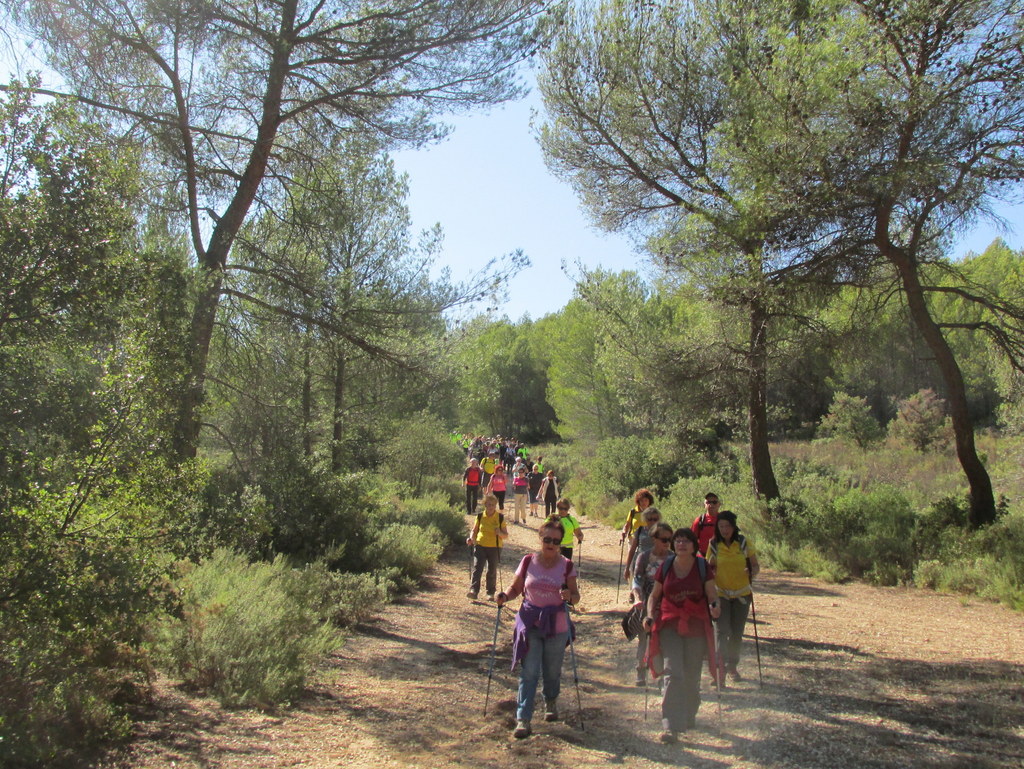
(570, 525)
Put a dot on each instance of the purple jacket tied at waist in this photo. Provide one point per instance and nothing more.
(544, 618)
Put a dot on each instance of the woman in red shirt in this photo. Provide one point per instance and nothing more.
(679, 611)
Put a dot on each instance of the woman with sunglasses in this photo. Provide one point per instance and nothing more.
(680, 608)
(647, 565)
(546, 580)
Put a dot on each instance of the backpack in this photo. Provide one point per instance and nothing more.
(702, 568)
(713, 545)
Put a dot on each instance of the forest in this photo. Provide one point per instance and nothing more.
(231, 369)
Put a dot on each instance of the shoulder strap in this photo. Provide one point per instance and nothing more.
(479, 518)
(743, 544)
(702, 568)
(501, 519)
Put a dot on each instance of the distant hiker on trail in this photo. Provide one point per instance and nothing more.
(487, 464)
(680, 608)
(643, 538)
(546, 580)
(647, 565)
(570, 525)
(704, 524)
(735, 562)
(471, 480)
(520, 492)
(498, 485)
(641, 501)
(486, 537)
(548, 493)
(536, 479)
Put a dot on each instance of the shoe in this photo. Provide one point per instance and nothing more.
(551, 710)
(641, 676)
(471, 595)
(668, 737)
(490, 596)
(522, 730)
(733, 673)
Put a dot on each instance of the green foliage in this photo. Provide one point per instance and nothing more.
(348, 599)
(248, 633)
(421, 456)
(410, 549)
(850, 418)
(921, 421)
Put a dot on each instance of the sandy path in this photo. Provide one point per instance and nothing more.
(854, 676)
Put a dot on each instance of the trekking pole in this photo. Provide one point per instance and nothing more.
(757, 643)
(579, 560)
(575, 670)
(494, 652)
(618, 580)
(719, 672)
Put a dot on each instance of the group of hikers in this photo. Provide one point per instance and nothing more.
(690, 591)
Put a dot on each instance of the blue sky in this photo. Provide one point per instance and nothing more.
(488, 187)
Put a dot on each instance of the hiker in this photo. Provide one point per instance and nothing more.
(570, 526)
(735, 563)
(704, 524)
(536, 480)
(520, 492)
(487, 464)
(498, 485)
(641, 501)
(546, 580)
(471, 480)
(643, 538)
(486, 537)
(682, 603)
(548, 493)
(647, 565)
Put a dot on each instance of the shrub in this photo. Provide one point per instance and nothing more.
(426, 512)
(350, 599)
(248, 633)
(850, 418)
(410, 549)
(420, 454)
(921, 421)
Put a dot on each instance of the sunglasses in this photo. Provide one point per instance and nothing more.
(551, 540)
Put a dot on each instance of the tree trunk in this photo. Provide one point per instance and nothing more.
(982, 500)
(337, 419)
(307, 400)
(765, 485)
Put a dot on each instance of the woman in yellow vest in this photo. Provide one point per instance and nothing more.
(735, 562)
(486, 537)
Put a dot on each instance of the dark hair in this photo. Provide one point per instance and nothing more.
(730, 516)
(685, 534)
(553, 522)
(640, 494)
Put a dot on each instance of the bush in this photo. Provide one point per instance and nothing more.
(426, 512)
(410, 549)
(350, 599)
(248, 633)
(921, 421)
(850, 418)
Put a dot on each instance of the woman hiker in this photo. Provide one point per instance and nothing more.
(647, 565)
(488, 532)
(547, 581)
(735, 563)
(680, 608)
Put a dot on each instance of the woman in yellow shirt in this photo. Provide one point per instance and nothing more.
(735, 562)
(488, 533)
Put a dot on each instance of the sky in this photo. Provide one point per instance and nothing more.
(488, 187)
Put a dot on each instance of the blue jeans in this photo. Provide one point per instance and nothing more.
(543, 658)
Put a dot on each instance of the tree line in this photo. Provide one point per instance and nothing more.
(219, 331)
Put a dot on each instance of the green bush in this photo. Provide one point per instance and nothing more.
(248, 633)
(850, 418)
(350, 599)
(410, 549)
(424, 512)
(921, 421)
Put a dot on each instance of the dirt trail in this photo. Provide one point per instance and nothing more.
(854, 676)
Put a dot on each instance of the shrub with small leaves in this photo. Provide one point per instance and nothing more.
(850, 418)
(921, 421)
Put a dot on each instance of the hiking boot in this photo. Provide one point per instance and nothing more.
(471, 595)
(490, 596)
(733, 673)
(551, 710)
(522, 729)
(641, 676)
(668, 737)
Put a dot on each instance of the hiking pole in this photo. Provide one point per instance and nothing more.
(579, 560)
(618, 580)
(575, 670)
(494, 653)
(757, 643)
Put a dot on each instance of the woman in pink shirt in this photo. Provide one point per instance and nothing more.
(546, 580)
(498, 485)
